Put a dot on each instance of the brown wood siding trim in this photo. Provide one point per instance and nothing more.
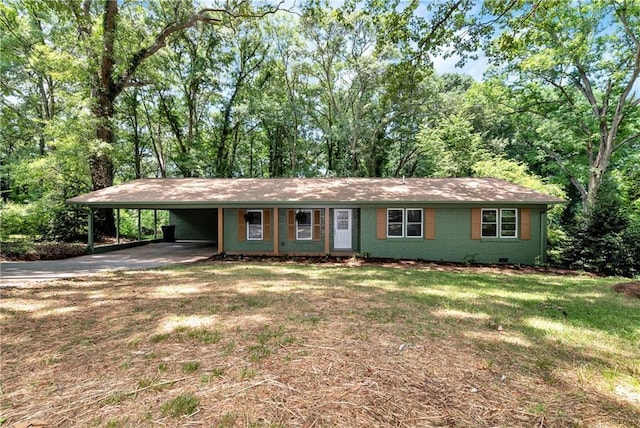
(476, 223)
(525, 224)
(242, 226)
(266, 225)
(291, 225)
(381, 223)
(429, 223)
(317, 226)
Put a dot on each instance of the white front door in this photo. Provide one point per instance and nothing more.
(342, 229)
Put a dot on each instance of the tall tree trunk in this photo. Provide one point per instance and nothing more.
(101, 164)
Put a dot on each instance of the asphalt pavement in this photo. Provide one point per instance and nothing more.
(23, 274)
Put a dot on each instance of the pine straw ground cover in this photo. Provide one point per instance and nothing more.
(265, 344)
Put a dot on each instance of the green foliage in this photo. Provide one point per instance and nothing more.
(567, 64)
(129, 223)
(17, 219)
(44, 219)
(606, 241)
(451, 147)
(29, 250)
(515, 172)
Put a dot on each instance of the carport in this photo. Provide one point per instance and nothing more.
(191, 216)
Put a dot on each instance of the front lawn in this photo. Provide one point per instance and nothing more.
(265, 344)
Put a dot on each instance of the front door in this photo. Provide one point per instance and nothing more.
(342, 229)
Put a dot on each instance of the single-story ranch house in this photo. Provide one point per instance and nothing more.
(440, 219)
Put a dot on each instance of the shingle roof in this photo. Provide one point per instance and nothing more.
(211, 192)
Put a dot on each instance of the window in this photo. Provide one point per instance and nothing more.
(414, 222)
(304, 225)
(502, 223)
(403, 222)
(508, 223)
(395, 220)
(254, 224)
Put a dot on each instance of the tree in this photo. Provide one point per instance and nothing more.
(576, 65)
(117, 64)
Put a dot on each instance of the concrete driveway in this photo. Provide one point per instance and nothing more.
(21, 274)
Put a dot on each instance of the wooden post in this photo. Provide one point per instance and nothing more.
(139, 227)
(155, 224)
(220, 230)
(90, 231)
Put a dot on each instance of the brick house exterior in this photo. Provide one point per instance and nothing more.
(484, 220)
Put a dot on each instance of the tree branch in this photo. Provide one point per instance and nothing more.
(626, 141)
(203, 15)
(579, 186)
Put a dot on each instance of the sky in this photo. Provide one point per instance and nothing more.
(473, 68)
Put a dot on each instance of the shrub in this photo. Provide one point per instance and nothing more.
(17, 219)
(46, 219)
(606, 241)
(29, 250)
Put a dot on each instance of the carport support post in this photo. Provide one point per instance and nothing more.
(220, 230)
(139, 227)
(155, 224)
(118, 226)
(90, 232)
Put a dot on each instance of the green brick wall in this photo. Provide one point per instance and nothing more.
(231, 243)
(452, 236)
(194, 224)
(297, 247)
(453, 240)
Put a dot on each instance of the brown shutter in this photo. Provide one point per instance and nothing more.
(266, 225)
(525, 223)
(242, 226)
(476, 223)
(429, 223)
(291, 225)
(317, 226)
(381, 223)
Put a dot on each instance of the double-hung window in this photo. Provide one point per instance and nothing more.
(404, 222)
(499, 223)
(254, 225)
(304, 225)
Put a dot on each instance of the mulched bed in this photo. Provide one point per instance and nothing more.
(631, 289)
(398, 263)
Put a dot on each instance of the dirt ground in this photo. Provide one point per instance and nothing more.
(114, 349)
(631, 289)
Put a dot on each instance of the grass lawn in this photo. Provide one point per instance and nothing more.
(269, 344)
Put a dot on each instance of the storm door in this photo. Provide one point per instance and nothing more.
(342, 229)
